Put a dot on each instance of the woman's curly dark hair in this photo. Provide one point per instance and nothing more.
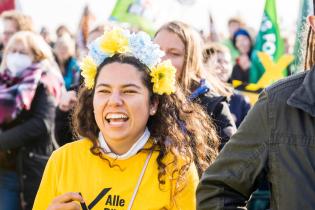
(179, 127)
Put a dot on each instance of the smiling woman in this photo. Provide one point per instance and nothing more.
(141, 136)
(121, 105)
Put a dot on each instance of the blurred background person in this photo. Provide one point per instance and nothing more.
(65, 56)
(244, 44)
(44, 32)
(182, 45)
(217, 59)
(30, 87)
(85, 25)
(12, 22)
(63, 29)
(234, 24)
(95, 32)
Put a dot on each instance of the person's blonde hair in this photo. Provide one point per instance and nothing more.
(37, 45)
(213, 48)
(23, 22)
(193, 68)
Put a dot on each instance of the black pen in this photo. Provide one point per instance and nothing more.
(83, 204)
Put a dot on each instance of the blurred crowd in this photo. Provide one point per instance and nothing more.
(40, 77)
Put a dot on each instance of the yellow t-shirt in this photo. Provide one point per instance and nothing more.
(73, 168)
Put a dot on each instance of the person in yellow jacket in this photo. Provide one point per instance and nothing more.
(143, 142)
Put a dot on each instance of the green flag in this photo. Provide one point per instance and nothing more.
(135, 12)
(305, 10)
(268, 40)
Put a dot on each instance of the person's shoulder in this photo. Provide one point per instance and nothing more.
(78, 143)
(212, 98)
(75, 147)
(285, 87)
(238, 97)
(212, 101)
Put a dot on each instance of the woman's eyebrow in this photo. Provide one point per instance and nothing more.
(131, 85)
(123, 86)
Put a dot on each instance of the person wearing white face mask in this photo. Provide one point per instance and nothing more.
(30, 88)
(17, 62)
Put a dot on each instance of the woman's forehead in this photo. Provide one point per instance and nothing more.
(120, 73)
(169, 40)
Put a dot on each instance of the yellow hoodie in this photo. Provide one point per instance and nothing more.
(73, 168)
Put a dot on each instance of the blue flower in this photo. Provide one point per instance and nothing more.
(96, 53)
(142, 47)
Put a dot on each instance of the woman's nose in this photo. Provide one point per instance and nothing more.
(115, 99)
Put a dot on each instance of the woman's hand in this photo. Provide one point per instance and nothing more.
(68, 100)
(67, 201)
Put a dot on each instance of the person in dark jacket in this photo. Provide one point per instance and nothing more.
(276, 142)
(30, 86)
(182, 45)
(243, 43)
(68, 64)
(217, 59)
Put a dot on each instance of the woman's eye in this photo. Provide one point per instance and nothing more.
(175, 54)
(103, 91)
(130, 91)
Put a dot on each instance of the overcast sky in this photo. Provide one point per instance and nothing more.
(52, 13)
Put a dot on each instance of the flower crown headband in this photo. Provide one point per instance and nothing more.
(138, 45)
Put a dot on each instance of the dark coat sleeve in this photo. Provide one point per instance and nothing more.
(37, 124)
(218, 109)
(235, 174)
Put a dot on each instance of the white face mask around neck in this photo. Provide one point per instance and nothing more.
(139, 144)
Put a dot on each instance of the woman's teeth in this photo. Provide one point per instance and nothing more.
(116, 118)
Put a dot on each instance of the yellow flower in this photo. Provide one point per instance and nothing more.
(113, 42)
(163, 78)
(89, 70)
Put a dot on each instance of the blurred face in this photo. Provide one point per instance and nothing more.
(121, 104)
(243, 44)
(174, 49)
(20, 47)
(9, 28)
(223, 66)
(92, 36)
(61, 31)
(18, 57)
(62, 51)
(233, 27)
(46, 36)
